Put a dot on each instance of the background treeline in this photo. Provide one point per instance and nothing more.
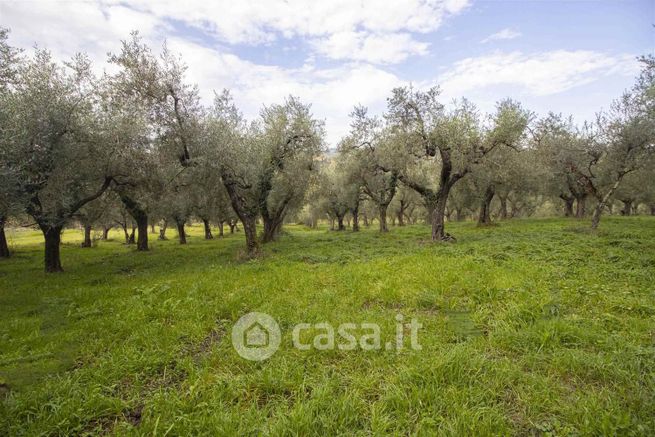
(136, 148)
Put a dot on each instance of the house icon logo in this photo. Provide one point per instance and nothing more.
(256, 336)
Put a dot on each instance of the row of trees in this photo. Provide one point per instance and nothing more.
(136, 148)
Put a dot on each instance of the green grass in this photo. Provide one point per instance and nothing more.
(531, 327)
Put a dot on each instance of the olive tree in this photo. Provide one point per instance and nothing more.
(292, 141)
(370, 146)
(627, 133)
(560, 146)
(265, 166)
(341, 193)
(167, 125)
(58, 144)
(453, 140)
(12, 200)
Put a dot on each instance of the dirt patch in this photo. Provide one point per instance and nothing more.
(133, 416)
(4, 390)
(214, 337)
(370, 303)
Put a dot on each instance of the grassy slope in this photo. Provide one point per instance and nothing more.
(531, 326)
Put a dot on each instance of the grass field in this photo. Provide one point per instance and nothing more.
(532, 327)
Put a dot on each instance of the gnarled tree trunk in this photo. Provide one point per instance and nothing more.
(250, 229)
(52, 235)
(139, 215)
(437, 204)
(580, 207)
(220, 229)
(355, 213)
(438, 215)
(246, 212)
(627, 207)
(341, 226)
(208, 230)
(568, 204)
(4, 247)
(272, 228)
(383, 217)
(602, 201)
(502, 212)
(105, 232)
(181, 233)
(162, 231)
(127, 235)
(142, 238)
(87, 236)
(485, 206)
(401, 213)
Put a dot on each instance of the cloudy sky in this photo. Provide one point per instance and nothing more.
(567, 56)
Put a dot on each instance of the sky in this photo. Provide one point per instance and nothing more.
(572, 57)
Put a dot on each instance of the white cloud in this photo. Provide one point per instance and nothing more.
(377, 49)
(257, 20)
(338, 29)
(506, 33)
(537, 74)
(68, 27)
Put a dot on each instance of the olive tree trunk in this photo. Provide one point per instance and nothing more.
(438, 219)
(208, 230)
(568, 205)
(162, 231)
(340, 226)
(485, 206)
(87, 236)
(383, 217)
(581, 204)
(4, 247)
(503, 207)
(272, 228)
(602, 201)
(401, 216)
(250, 229)
(139, 215)
(437, 206)
(127, 235)
(180, 231)
(355, 213)
(52, 235)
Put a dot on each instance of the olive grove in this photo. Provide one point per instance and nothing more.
(137, 148)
